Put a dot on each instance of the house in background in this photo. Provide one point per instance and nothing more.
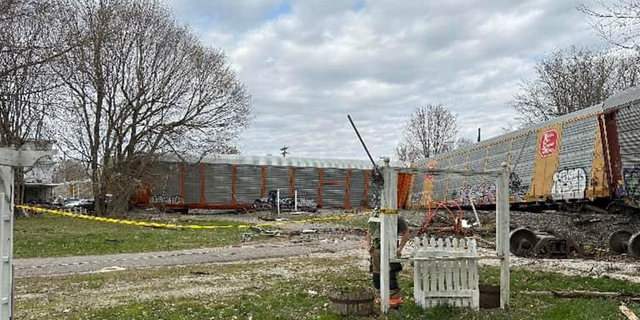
(38, 182)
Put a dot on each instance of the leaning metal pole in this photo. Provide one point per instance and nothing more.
(375, 167)
(385, 212)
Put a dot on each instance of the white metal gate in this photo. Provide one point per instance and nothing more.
(446, 273)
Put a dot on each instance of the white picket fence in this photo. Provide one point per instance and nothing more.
(446, 273)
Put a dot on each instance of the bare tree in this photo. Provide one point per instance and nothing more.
(69, 170)
(141, 87)
(28, 42)
(463, 142)
(28, 35)
(429, 131)
(617, 22)
(574, 79)
(230, 149)
(510, 126)
(26, 81)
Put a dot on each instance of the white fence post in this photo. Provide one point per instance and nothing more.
(417, 281)
(502, 234)
(10, 158)
(278, 200)
(6, 241)
(295, 200)
(388, 232)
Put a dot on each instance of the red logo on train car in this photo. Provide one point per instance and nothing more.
(548, 143)
(430, 166)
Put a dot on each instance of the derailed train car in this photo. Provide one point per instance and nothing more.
(591, 155)
(235, 182)
(588, 156)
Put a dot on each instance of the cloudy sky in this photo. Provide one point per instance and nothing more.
(310, 63)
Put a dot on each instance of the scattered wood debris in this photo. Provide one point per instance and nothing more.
(628, 313)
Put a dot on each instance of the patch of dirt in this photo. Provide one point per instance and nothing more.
(64, 294)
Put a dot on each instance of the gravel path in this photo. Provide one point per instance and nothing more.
(114, 262)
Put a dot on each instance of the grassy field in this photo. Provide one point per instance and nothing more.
(52, 235)
(294, 288)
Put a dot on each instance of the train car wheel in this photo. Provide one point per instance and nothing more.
(618, 240)
(522, 241)
(634, 245)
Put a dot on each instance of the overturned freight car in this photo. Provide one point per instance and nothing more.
(235, 182)
(591, 155)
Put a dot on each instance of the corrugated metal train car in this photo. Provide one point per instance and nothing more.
(585, 156)
(591, 155)
(235, 182)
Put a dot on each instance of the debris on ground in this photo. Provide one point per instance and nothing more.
(628, 313)
(588, 294)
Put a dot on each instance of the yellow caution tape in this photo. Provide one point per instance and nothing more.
(187, 226)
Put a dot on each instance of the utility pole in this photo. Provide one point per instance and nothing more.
(284, 151)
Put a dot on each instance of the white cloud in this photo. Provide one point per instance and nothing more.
(310, 63)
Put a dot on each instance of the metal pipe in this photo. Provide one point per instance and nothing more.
(475, 212)
(375, 167)
(491, 173)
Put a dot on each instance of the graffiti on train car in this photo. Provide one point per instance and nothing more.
(166, 199)
(286, 203)
(569, 181)
(307, 203)
(516, 188)
(483, 193)
(631, 178)
(416, 198)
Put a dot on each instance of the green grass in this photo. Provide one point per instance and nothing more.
(305, 297)
(52, 235)
(290, 300)
(265, 292)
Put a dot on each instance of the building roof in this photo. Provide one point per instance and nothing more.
(49, 185)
